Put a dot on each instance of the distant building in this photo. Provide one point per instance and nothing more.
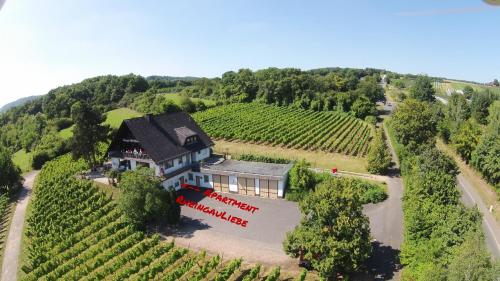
(180, 153)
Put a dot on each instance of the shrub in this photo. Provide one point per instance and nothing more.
(39, 158)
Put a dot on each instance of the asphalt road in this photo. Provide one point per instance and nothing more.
(490, 225)
(13, 243)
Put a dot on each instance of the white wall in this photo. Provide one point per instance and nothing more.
(208, 184)
(177, 164)
(281, 188)
(173, 181)
(204, 153)
(257, 187)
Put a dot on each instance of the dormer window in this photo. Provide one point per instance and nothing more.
(191, 140)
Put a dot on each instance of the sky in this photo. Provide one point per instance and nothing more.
(50, 43)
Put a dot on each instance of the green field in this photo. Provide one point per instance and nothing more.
(113, 118)
(76, 232)
(287, 127)
(441, 87)
(22, 159)
(176, 98)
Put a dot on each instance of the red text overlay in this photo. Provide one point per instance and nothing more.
(211, 211)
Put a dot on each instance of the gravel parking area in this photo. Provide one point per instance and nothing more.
(260, 241)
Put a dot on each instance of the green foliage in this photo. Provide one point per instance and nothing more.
(370, 192)
(294, 128)
(333, 234)
(186, 104)
(225, 273)
(479, 106)
(422, 89)
(413, 123)
(88, 132)
(10, 175)
(144, 200)
(371, 120)
(262, 158)
(370, 88)
(471, 261)
(301, 177)
(274, 275)
(379, 158)
(436, 223)
(363, 107)
(485, 158)
(253, 273)
(302, 275)
(465, 139)
(468, 91)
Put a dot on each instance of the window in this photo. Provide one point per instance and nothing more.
(199, 151)
(176, 184)
(169, 164)
(205, 178)
(180, 160)
(190, 176)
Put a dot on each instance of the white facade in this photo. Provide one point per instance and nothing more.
(201, 154)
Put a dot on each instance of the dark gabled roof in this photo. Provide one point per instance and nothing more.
(163, 136)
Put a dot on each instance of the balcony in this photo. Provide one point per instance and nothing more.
(136, 155)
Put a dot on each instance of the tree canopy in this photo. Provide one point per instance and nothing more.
(10, 175)
(88, 132)
(144, 200)
(413, 122)
(334, 234)
(423, 90)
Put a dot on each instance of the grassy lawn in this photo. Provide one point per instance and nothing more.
(23, 160)
(175, 97)
(113, 118)
(113, 191)
(318, 159)
(486, 191)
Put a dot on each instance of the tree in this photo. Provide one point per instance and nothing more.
(10, 174)
(468, 91)
(370, 88)
(88, 132)
(496, 83)
(334, 234)
(485, 158)
(379, 158)
(363, 107)
(479, 106)
(413, 123)
(471, 261)
(422, 90)
(301, 177)
(186, 104)
(465, 139)
(144, 200)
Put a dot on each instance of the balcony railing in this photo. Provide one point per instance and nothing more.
(137, 155)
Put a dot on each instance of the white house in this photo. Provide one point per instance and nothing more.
(180, 152)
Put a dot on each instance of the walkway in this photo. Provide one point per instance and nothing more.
(13, 243)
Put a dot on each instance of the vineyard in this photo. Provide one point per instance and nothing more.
(288, 127)
(76, 232)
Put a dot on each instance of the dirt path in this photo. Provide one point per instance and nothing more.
(13, 242)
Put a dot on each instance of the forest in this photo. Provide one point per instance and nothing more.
(33, 126)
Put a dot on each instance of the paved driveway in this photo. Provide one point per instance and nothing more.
(260, 241)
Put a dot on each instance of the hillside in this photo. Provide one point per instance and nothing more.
(77, 232)
(18, 102)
